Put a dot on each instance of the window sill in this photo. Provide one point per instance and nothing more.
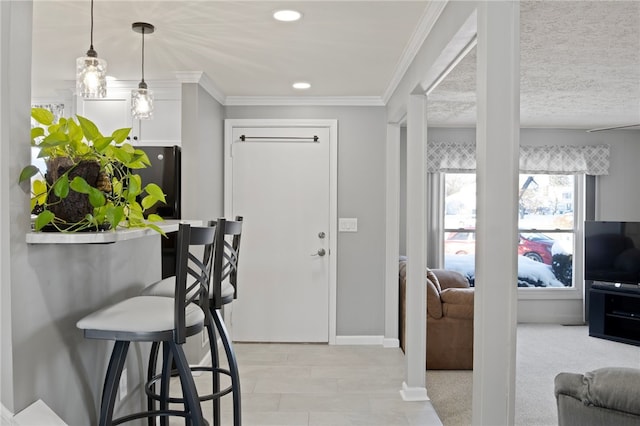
(565, 293)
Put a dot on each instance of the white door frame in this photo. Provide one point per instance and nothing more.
(332, 125)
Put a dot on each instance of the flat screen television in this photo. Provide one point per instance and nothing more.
(612, 252)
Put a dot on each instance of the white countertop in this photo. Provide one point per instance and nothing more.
(103, 237)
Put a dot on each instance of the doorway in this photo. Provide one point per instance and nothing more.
(281, 176)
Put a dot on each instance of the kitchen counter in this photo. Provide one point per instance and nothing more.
(67, 276)
(102, 237)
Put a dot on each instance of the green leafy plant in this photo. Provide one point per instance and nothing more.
(90, 182)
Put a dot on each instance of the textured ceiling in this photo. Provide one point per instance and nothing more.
(580, 60)
(580, 68)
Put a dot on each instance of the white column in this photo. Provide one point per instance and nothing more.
(498, 94)
(416, 305)
(392, 242)
(6, 376)
(15, 94)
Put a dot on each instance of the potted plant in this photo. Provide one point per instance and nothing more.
(90, 182)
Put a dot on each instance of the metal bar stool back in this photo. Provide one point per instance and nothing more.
(222, 290)
(157, 319)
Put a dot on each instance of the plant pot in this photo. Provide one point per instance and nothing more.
(75, 206)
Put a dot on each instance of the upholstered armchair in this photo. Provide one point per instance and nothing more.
(449, 319)
(606, 396)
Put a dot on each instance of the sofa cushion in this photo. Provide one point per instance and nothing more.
(448, 278)
(457, 296)
(434, 279)
(434, 305)
(457, 303)
(616, 388)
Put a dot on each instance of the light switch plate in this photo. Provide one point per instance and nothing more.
(348, 224)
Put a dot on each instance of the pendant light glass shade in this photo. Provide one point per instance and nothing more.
(91, 77)
(91, 72)
(142, 97)
(142, 103)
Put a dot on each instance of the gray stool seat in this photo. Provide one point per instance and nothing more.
(138, 317)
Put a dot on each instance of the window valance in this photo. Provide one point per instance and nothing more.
(559, 159)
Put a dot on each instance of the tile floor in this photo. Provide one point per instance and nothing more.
(321, 385)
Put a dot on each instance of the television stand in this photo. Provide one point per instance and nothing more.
(614, 313)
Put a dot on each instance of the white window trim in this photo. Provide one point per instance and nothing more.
(576, 292)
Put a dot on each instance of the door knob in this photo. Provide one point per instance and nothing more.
(321, 252)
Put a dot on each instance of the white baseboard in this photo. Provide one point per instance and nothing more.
(206, 360)
(368, 340)
(391, 343)
(6, 416)
(359, 340)
(413, 394)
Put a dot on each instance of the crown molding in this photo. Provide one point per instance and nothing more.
(153, 84)
(427, 21)
(203, 80)
(304, 101)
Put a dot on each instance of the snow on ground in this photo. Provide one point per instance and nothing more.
(530, 272)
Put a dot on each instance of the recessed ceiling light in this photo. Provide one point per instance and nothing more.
(301, 85)
(287, 15)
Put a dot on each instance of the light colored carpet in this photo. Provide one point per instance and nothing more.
(543, 351)
(450, 394)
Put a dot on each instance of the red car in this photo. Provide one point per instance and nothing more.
(534, 245)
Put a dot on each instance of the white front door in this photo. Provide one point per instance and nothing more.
(280, 183)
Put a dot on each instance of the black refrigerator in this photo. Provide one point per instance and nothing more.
(165, 171)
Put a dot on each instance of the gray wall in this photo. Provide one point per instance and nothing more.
(202, 154)
(55, 286)
(361, 183)
(403, 191)
(202, 180)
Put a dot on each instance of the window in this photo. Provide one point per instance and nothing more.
(546, 228)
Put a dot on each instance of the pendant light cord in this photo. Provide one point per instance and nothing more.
(143, 28)
(91, 42)
(143, 54)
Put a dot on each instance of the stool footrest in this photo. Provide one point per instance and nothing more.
(150, 414)
(175, 400)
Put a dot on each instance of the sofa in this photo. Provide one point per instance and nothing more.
(449, 319)
(606, 396)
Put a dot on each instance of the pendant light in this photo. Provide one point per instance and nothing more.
(91, 72)
(142, 97)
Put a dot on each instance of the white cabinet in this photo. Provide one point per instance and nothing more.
(165, 126)
(114, 112)
(110, 113)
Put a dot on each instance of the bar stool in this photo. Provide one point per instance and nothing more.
(223, 290)
(158, 319)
